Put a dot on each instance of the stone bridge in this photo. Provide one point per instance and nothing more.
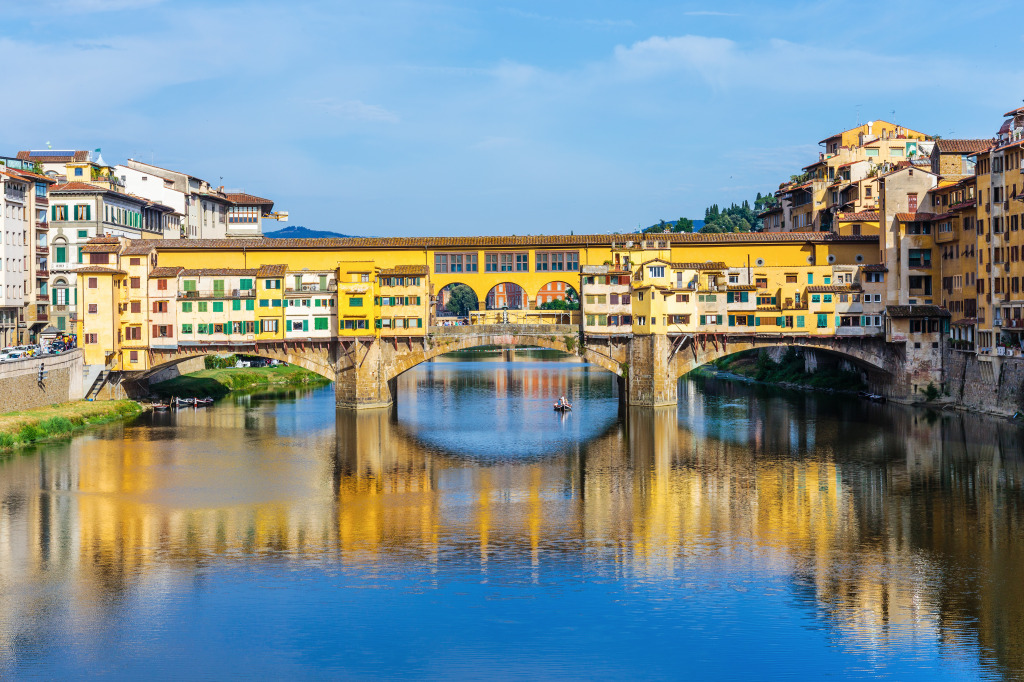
(365, 370)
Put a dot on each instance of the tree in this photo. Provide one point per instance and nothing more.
(662, 226)
(461, 300)
(570, 302)
(683, 225)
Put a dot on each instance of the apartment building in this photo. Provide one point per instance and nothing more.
(605, 298)
(15, 260)
(81, 211)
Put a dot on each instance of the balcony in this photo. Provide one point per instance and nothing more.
(42, 273)
(42, 298)
(312, 289)
(216, 294)
(42, 226)
(42, 250)
(60, 308)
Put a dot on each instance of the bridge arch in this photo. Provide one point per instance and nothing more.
(873, 356)
(443, 295)
(556, 290)
(314, 358)
(507, 295)
(566, 342)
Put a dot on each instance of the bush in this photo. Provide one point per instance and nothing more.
(30, 433)
(931, 392)
(6, 440)
(217, 362)
(55, 425)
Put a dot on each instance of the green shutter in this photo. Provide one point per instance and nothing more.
(245, 284)
(54, 295)
(732, 320)
(837, 320)
(53, 212)
(305, 325)
(236, 304)
(76, 295)
(61, 254)
(250, 304)
(218, 306)
(189, 285)
(88, 211)
(780, 321)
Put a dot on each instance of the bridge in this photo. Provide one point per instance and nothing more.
(365, 370)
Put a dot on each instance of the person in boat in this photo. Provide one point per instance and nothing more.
(560, 404)
(566, 404)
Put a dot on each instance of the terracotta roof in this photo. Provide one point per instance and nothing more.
(962, 146)
(920, 217)
(777, 208)
(406, 270)
(916, 311)
(965, 204)
(101, 248)
(875, 267)
(719, 265)
(139, 247)
(965, 322)
(98, 269)
(272, 271)
(77, 157)
(247, 199)
(742, 287)
(104, 239)
(833, 289)
(863, 216)
(560, 241)
(172, 271)
(33, 176)
(12, 175)
(225, 272)
(75, 186)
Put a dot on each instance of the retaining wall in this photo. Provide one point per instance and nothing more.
(995, 386)
(20, 388)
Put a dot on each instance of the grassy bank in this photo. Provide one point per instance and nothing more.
(217, 383)
(60, 421)
(789, 371)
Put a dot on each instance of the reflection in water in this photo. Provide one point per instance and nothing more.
(751, 530)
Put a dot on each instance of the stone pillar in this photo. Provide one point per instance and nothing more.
(366, 385)
(651, 380)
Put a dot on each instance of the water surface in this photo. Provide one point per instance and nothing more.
(474, 532)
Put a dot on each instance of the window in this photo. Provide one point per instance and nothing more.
(320, 323)
(186, 306)
(355, 302)
(136, 306)
(557, 261)
(218, 306)
(93, 308)
(201, 307)
(83, 234)
(250, 304)
(133, 356)
(60, 254)
(455, 262)
(822, 321)
(920, 258)
(245, 284)
(161, 285)
(91, 338)
(790, 279)
(656, 271)
(761, 282)
(93, 283)
(136, 282)
(159, 306)
(189, 285)
(272, 284)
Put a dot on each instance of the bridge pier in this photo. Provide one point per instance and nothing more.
(366, 384)
(651, 381)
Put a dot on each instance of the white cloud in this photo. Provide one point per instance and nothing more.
(356, 110)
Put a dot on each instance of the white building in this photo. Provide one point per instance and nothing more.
(15, 217)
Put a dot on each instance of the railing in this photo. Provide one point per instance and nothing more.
(42, 297)
(529, 317)
(311, 289)
(42, 273)
(42, 225)
(217, 293)
(472, 329)
(42, 250)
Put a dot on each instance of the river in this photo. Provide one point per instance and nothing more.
(473, 532)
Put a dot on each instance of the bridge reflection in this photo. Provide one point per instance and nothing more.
(908, 529)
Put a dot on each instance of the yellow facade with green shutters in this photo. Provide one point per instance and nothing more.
(225, 292)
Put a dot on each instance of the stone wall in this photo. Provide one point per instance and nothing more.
(20, 388)
(175, 371)
(991, 385)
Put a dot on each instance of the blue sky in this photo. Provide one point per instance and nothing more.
(437, 118)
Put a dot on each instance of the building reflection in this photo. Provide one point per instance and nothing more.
(907, 529)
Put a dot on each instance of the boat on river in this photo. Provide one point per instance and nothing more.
(563, 408)
(203, 402)
(184, 402)
(160, 407)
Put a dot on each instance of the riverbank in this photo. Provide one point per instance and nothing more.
(217, 383)
(55, 422)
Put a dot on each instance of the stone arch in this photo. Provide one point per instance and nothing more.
(507, 295)
(317, 363)
(872, 355)
(440, 299)
(468, 341)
